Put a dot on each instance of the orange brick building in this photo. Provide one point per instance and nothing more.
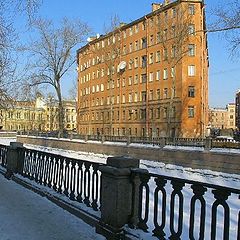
(148, 77)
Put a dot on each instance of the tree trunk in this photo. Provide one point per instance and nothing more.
(60, 110)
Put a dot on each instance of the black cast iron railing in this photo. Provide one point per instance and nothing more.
(79, 180)
(3, 155)
(174, 208)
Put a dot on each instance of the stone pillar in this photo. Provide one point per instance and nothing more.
(207, 143)
(14, 159)
(116, 196)
(162, 142)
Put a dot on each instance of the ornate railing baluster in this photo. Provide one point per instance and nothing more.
(46, 164)
(144, 184)
(80, 182)
(66, 177)
(31, 166)
(41, 168)
(37, 172)
(50, 171)
(177, 187)
(159, 229)
(198, 191)
(87, 183)
(55, 173)
(73, 180)
(60, 175)
(95, 187)
(221, 196)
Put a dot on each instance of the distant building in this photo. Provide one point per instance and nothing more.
(148, 77)
(237, 104)
(223, 118)
(38, 115)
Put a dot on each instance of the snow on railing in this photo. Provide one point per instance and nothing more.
(174, 208)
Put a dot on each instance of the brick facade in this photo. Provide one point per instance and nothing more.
(148, 77)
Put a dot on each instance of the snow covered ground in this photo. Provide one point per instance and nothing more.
(25, 215)
(218, 178)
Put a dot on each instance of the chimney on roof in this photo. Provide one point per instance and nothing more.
(155, 6)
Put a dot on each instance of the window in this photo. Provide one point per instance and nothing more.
(150, 114)
(158, 40)
(191, 29)
(191, 50)
(151, 40)
(135, 97)
(158, 94)
(123, 98)
(136, 28)
(130, 47)
(151, 22)
(144, 61)
(173, 31)
(191, 70)
(130, 97)
(172, 72)
(144, 78)
(158, 56)
(151, 58)
(165, 54)
(165, 111)
(173, 51)
(165, 35)
(124, 49)
(165, 93)
(158, 75)
(174, 12)
(136, 62)
(191, 111)
(143, 96)
(123, 82)
(130, 31)
(191, 91)
(165, 16)
(142, 113)
(130, 64)
(151, 77)
(136, 45)
(144, 25)
(191, 9)
(136, 79)
(165, 74)
(144, 42)
(130, 80)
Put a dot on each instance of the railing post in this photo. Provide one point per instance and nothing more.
(14, 159)
(162, 142)
(116, 196)
(207, 143)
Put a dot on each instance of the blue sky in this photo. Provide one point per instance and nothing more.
(224, 73)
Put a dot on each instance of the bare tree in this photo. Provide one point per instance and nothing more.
(8, 80)
(228, 24)
(52, 55)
